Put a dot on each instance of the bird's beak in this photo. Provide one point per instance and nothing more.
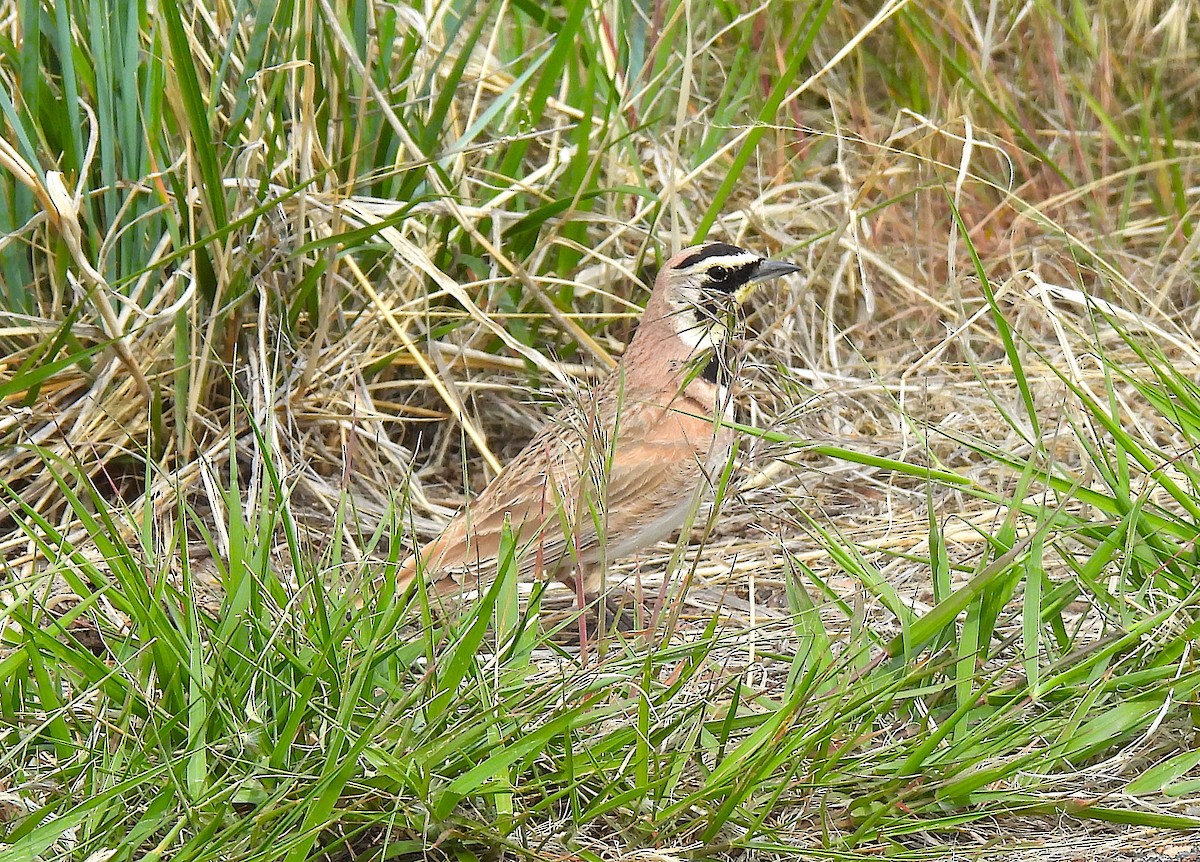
(766, 270)
(774, 269)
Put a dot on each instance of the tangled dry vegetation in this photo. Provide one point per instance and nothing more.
(885, 347)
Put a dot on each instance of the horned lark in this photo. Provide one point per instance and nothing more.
(605, 480)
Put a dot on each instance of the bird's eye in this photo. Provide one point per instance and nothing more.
(718, 273)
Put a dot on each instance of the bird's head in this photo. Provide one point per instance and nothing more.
(705, 285)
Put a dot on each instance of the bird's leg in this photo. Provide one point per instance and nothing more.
(621, 612)
(617, 610)
(575, 584)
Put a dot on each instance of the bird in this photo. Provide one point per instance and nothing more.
(626, 467)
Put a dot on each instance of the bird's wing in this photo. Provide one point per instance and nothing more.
(644, 497)
(535, 492)
(568, 491)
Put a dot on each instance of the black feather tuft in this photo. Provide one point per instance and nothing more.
(712, 249)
